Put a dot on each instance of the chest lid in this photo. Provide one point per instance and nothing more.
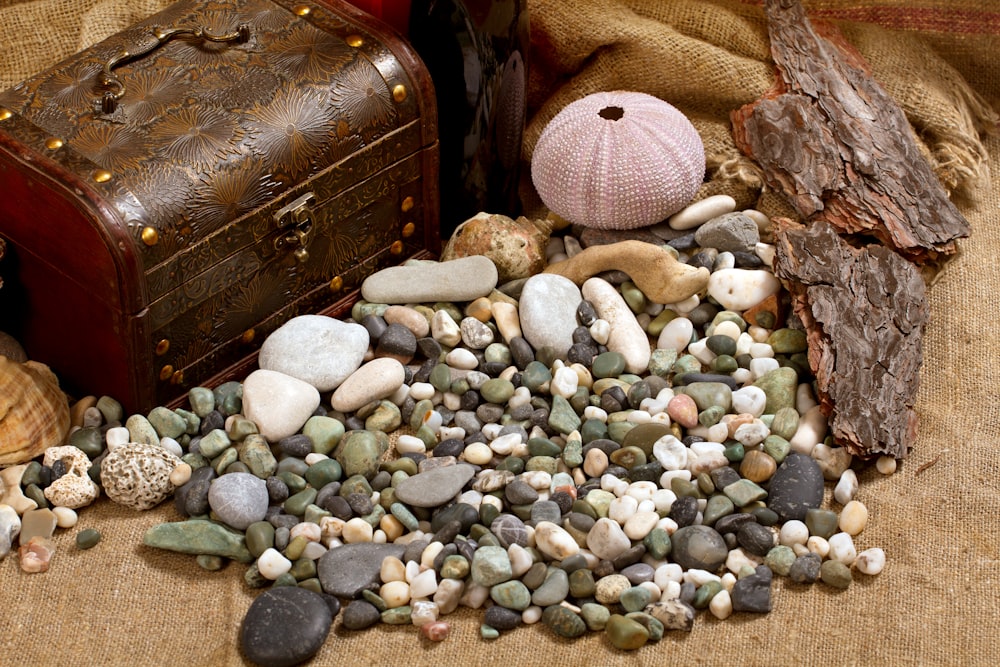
(207, 111)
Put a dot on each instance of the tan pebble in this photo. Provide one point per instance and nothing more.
(733, 422)
(481, 309)
(507, 320)
(758, 466)
(818, 545)
(410, 318)
(357, 530)
(36, 554)
(595, 462)
(10, 484)
(180, 475)
(78, 410)
(833, 461)
(853, 518)
(392, 527)
(886, 465)
(395, 593)
(392, 569)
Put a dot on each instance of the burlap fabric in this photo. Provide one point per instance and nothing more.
(936, 518)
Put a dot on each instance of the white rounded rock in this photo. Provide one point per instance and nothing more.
(870, 561)
(676, 334)
(373, 381)
(793, 532)
(607, 540)
(278, 404)
(739, 289)
(842, 548)
(547, 309)
(271, 564)
(316, 349)
(721, 605)
(750, 400)
(846, 487)
(627, 336)
(701, 211)
(554, 541)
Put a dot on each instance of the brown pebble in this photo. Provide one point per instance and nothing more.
(758, 466)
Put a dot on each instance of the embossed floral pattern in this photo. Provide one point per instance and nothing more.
(197, 136)
(364, 97)
(291, 128)
(114, 147)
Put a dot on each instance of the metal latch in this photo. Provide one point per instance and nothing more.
(297, 217)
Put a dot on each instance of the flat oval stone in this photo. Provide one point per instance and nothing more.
(372, 381)
(435, 487)
(547, 309)
(284, 626)
(238, 499)
(627, 336)
(347, 570)
(198, 537)
(279, 404)
(796, 487)
(701, 211)
(564, 622)
(322, 351)
(460, 279)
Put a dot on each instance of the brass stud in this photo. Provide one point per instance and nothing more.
(162, 347)
(408, 204)
(177, 377)
(53, 143)
(247, 336)
(150, 236)
(102, 175)
(336, 284)
(396, 248)
(166, 372)
(302, 10)
(354, 40)
(5, 114)
(399, 92)
(408, 230)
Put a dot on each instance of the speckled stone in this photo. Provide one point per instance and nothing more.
(285, 626)
(796, 487)
(564, 622)
(673, 614)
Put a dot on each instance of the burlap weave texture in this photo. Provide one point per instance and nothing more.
(937, 518)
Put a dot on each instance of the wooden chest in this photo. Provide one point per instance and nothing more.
(173, 194)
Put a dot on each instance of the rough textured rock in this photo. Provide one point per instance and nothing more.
(138, 475)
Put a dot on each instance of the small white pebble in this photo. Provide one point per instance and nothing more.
(477, 453)
(172, 446)
(728, 581)
(410, 444)
(392, 569)
(758, 334)
(462, 359)
(886, 465)
(761, 351)
(721, 605)
(766, 253)
(357, 530)
(312, 458)
(846, 487)
(425, 584)
(842, 548)
(504, 445)
(420, 391)
(699, 350)
(793, 532)
(307, 529)
(395, 593)
(870, 561)
(671, 591)
(272, 564)
(699, 577)
(600, 331)
(818, 545)
(564, 383)
(531, 615)
(65, 517)
(687, 305)
(595, 412)
(313, 551)
(117, 435)
(762, 366)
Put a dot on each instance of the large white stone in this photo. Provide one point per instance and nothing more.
(739, 289)
(316, 349)
(627, 336)
(607, 540)
(548, 311)
(278, 404)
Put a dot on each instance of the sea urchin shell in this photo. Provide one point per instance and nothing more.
(618, 160)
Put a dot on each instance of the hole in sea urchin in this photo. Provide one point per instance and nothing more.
(611, 113)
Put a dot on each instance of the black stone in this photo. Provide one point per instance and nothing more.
(723, 476)
(805, 568)
(704, 258)
(796, 486)
(519, 492)
(586, 314)
(360, 503)
(753, 593)
(285, 626)
(581, 353)
(755, 538)
(521, 352)
(563, 499)
(449, 549)
(430, 348)
(493, 368)
(647, 472)
(684, 511)
(376, 326)
(465, 514)
(191, 498)
(360, 614)
(414, 550)
(691, 378)
(614, 399)
(637, 573)
(281, 520)
(489, 413)
(423, 374)
(381, 480)
(213, 420)
(352, 568)
(501, 618)
(336, 505)
(298, 445)
(747, 260)
(685, 242)
(449, 447)
(277, 490)
(629, 557)
(448, 532)
(731, 522)
(397, 341)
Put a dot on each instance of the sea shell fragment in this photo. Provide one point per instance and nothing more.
(34, 411)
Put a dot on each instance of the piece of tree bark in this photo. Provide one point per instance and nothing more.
(864, 310)
(837, 145)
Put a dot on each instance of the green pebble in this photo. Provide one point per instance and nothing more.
(385, 418)
(88, 439)
(222, 462)
(821, 522)
(403, 464)
(788, 341)
(593, 429)
(497, 390)
(259, 537)
(534, 375)
(255, 453)
(595, 616)
(375, 516)
(744, 492)
(765, 516)
(564, 622)
(581, 583)
(32, 473)
(375, 600)
(141, 431)
(254, 579)
(325, 433)
(834, 573)
(490, 566)
(397, 615)
(684, 487)
(229, 396)
(440, 377)
(202, 401)
(512, 595)
(547, 464)
(488, 513)
(625, 633)
(711, 416)
(662, 362)
(313, 584)
(721, 345)
(358, 453)
(209, 562)
(608, 365)
(705, 483)
(572, 453)
(323, 472)
(196, 536)
(785, 423)
(656, 325)
(686, 363)
(455, 566)
(193, 459)
(543, 447)
(34, 492)
(296, 504)
(628, 457)
(514, 464)
(563, 417)
(314, 514)
(405, 516)
(582, 506)
(498, 353)
(488, 632)
(780, 559)
(600, 500)
(618, 431)
(361, 309)
(192, 421)
(777, 447)
(240, 428)
(87, 538)
(582, 398)
(302, 569)
(213, 443)
(111, 410)
(295, 483)
(635, 598)
(657, 543)
(727, 316)
(293, 551)
(652, 624)
(724, 363)
(285, 579)
(634, 297)
(734, 452)
(779, 386)
(705, 593)
(719, 505)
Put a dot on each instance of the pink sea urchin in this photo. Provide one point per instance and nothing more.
(618, 160)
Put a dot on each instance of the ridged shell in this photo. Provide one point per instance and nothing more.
(618, 160)
(34, 411)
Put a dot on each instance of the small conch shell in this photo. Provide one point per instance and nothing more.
(34, 411)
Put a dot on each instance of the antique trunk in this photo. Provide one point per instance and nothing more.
(173, 194)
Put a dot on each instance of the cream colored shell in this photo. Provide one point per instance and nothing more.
(34, 411)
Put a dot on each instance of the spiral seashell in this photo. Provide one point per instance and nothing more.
(34, 411)
(618, 160)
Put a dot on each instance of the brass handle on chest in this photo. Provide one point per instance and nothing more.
(160, 36)
(296, 216)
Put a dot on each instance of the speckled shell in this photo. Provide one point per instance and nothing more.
(618, 160)
(34, 411)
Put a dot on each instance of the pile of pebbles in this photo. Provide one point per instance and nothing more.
(537, 486)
